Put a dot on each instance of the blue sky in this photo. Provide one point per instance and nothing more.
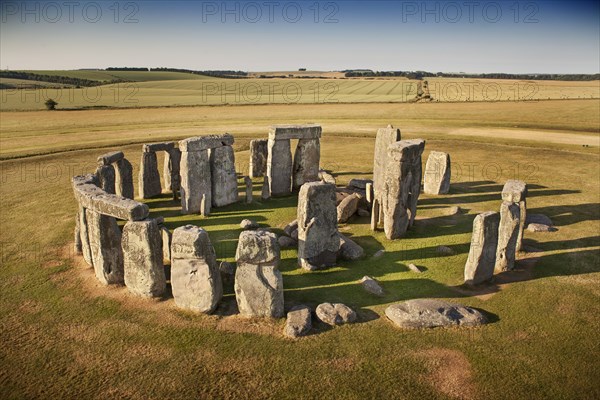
(449, 36)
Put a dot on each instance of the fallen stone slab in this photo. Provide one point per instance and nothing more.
(298, 322)
(110, 158)
(248, 224)
(415, 268)
(335, 314)
(534, 227)
(93, 198)
(347, 208)
(349, 250)
(371, 286)
(539, 219)
(326, 177)
(431, 313)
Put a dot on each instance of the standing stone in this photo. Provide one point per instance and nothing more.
(279, 167)
(195, 182)
(437, 173)
(384, 138)
(166, 242)
(171, 168)
(224, 177)
(402, 187)
(110, 158)
(375, 214)
(124, 178)
(258, 283)
(482, 254)
(106, 178)
(265, 193)
(258, 158)
(248, 183)
(516, 192)
(105, 245)
(369, 192)
(143, 256)
(85, 238)
(149, 178)
(78, 246)
(318, 240)
(306, 162)
(195, 275)
(508, 232)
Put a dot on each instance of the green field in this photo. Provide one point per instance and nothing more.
(66, 336)
(160, 89)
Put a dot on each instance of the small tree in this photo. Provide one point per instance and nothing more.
(51, 104)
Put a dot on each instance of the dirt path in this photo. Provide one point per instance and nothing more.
(529, 134)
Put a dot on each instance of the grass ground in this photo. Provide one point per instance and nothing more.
(160, 89)
(65, 336)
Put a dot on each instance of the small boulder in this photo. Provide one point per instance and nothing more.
(326, 177)
(298, 322)
(249, 225)
(379, 253)
(414, 268)
(359, 183)
(372, 286)
(294, 235)
(430, 313)
(363, 213)
(285, 241)
(335, 314)
(347, 208)
(291, 227)
(444, 251)
(538, 219)
(534, 227)
(454, 210)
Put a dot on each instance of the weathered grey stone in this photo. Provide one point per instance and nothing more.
(535, 227)
(318, 240)
(287, 132)
(265, 193)
(162, 146)
(363, 213)
(143, 258)
(124, 178)
(294, 234)
(195, 181)
(414, 268)
(384, 138)
(110, 158)
(482, 254)
(539, 219)
(92, 197)
(279, 167)
(77, 246)
(378, 253)
(166, 242)
(402, 186)
(248, 224)
(349, 250)
(248, 184)
(171, 170)
(444, 251)
(335, 314)
(85, 240)
(224, 177)
(371, 286)
(326, 177)
(359, 183)
(306, 162)
(227, 271)
(508, 231)
(286, 241)
(149, 178)
(347, 208)
(202, 143)
(431, 313)
(195, 274)
(105, 245)
(106, 178)
(298, 322)
(437, 173)
(291, 227)
(515, 191)
(258, 158)
(258, 283)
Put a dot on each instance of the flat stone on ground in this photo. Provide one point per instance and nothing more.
(430, 313)
(298, 322)
(335, 314)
